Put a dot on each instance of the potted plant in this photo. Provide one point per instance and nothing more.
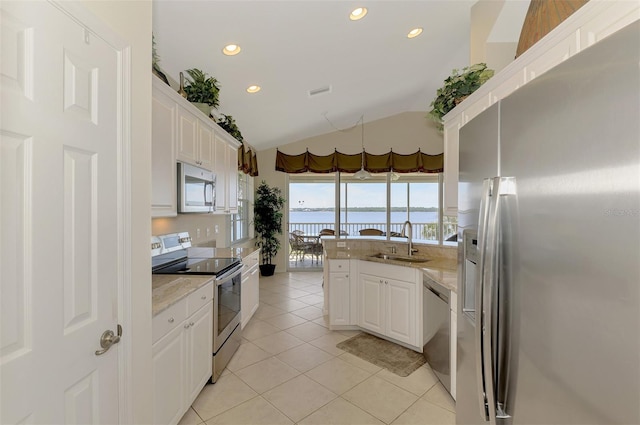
(456, 88)
(155, 62)
(267, 220)
(229, 124)
(202, 91)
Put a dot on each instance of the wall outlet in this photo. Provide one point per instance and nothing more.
(342, 244)
(208, 231)
(198, 233)
(217, 229)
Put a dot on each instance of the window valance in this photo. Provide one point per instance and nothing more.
(247, 160)
(347, 163)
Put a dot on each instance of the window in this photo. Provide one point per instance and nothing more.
(240, 221)
(380, 204)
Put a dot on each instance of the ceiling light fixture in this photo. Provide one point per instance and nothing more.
(362, 174)
(253, 89)
(414, 32)
(231, 49)
(358, 13)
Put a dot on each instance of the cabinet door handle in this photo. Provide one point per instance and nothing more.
(186, 326)
(191, 323)
(204, 297)
(171, 320)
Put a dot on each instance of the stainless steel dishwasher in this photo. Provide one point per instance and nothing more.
(437, 329)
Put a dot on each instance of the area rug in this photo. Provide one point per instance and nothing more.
(385, 354)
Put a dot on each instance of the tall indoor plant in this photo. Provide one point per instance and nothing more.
(267, 220)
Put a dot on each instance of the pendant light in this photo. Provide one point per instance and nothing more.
(362, 174)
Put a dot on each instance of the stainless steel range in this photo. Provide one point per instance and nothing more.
(173, 254)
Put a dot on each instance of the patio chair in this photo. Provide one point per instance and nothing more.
(371, 232)
(300, 247)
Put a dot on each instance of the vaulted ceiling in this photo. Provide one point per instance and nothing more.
(290, 48)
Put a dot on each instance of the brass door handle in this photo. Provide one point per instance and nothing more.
(108, 339)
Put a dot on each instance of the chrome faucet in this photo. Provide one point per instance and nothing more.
(410, 236)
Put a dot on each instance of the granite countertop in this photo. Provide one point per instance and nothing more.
(167, 289)
(440, 269)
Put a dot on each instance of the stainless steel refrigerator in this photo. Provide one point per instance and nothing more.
(549, 252)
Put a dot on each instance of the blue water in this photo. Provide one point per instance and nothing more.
(361, 217)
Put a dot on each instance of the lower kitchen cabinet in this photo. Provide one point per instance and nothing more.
(181, 359)
(250, 295)
(339, 293)
(388, 302)
(387, 307)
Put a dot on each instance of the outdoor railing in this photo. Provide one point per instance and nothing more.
(424, 231)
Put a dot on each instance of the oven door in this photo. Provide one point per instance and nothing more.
(226, 306)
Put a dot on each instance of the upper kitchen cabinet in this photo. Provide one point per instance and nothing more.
(163, 153)
(181, 133)
(226, 170)
(195, 139)
(591, 23)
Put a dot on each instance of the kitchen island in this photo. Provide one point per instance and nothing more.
(375, 286)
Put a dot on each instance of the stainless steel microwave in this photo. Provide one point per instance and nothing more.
(196, 189)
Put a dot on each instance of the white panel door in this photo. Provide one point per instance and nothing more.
(339, 299)
(169, 377)
(372, 303)
(59, 209)
(163, 156)
(206, 147)
(199, 343)
(401, 310)
(187, 141)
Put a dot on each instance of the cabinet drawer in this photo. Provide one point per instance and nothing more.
(167, 320)
(251, 260)
(199, 298)
(338, 265)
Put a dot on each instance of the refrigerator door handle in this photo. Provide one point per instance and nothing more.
(481, 377)
(495, 344)
(501, 305)
(488, 288)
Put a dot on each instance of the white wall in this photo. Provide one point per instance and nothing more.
(132, 21)
(405, 133)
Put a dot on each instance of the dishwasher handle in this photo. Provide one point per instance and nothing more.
(437, 293)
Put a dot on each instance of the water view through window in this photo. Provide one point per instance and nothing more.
(364, 204)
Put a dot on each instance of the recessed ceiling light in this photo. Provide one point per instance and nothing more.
(231, 49)
(358, 13)
(253, 89)
(414, 32)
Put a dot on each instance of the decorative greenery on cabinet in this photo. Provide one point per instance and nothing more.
(456, 88)
(230, 126)
(201, 88)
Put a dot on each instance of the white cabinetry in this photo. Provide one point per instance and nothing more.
(340, 299)
(591, 23)
(195, 139)
(250, 287)
(163, 154)
(181, 362)
(226, 170)
(388, 304)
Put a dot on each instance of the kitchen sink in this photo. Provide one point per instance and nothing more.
(395, 257)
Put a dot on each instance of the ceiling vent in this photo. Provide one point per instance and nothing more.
(319, 91)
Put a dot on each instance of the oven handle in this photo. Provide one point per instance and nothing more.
(230, 274)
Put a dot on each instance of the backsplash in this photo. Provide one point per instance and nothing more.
(374, 246)
(191, 223)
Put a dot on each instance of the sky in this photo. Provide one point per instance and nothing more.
(362, 194)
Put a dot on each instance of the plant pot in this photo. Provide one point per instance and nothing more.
(267, 269)
(204, 107)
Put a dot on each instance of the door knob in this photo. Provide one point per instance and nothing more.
(108, 339)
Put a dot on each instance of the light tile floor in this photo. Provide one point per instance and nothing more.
(288, 370)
